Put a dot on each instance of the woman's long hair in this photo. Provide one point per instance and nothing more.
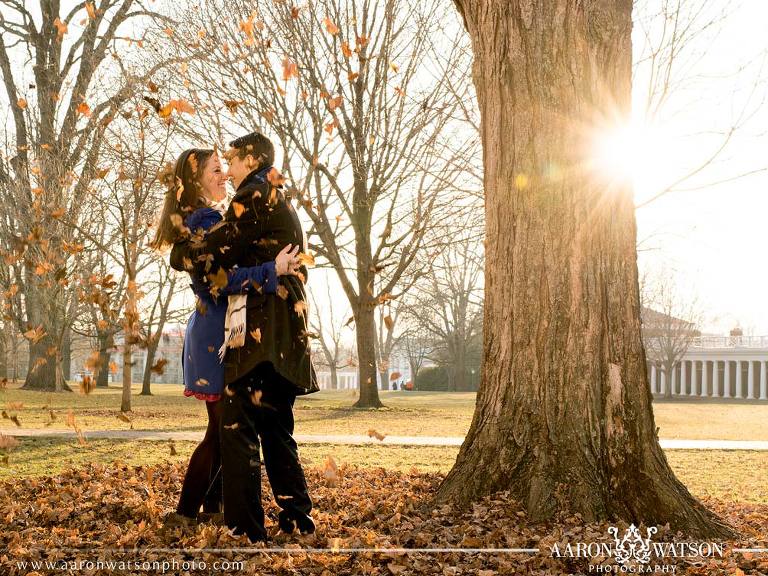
(183, 194)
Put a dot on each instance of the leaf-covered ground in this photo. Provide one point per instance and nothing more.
(85, 514)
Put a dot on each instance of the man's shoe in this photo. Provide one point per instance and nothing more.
(285, 522)
(306, 524)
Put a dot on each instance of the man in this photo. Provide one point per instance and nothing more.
(267, 363)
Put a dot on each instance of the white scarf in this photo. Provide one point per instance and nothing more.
(234, 321)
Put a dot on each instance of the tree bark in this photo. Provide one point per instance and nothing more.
(563, 418)
(3, 354)
(152, 345)
(105, 342)
(66, 355)
(43, 371)
(365, 332)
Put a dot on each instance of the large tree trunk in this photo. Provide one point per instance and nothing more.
(125, 398)
(563, 418)
(366, 355)
(44, 370)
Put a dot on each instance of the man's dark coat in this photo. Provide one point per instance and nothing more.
(257, 225)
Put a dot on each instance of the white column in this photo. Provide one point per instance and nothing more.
(751, 380)
(716, 379)
(763, 382)
(683, 371)
(727, 379)
(738, 379)
(654, 389)
(673, 381)
(663, 382)
(704, 379)
(694, 377)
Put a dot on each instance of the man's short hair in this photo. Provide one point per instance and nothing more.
(257, 145)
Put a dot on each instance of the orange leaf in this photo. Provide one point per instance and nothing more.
(306, 259)
(290, 69)
(256, 334)
(238, 209)
(294, 12)
(89, 7)
(346, 50)
(388, 322)
(21, 103)
(61, 28)
(330, 26)
(394, 376)
(300, 307)
(334, 103)
(84, 109)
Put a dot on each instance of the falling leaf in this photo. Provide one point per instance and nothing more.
(201, 382)
(294, 12)
(84, 109)
(234, 426)
(123, 417)
(290, 69)
(233, 104)
(256, 334)
(399, 91)
(300, 307)
(238, 209)
(21, 103)
(87, 385)
(307, 260)
(34, 335)
(374, 434)
(388, 322)
(172, 446)
(330, 471)
(394, 67)
(330, 26)
(256, 397)
(228, 391)
(61, 28)
(394, 376)
(282, 292)
(159, 366)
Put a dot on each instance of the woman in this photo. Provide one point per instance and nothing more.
(195, 201)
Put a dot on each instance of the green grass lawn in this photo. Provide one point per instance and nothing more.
(330, 412)
(735, 476)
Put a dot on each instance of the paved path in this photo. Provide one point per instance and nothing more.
(667, 444)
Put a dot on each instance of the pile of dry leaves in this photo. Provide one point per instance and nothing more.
(114, 512)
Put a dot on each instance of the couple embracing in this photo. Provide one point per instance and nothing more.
(246, 348)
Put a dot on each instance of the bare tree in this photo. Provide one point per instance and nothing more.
(677, 35)
(328, 331)
(670, 323)
(58, 122)
(362, 112)
(563, 420)
(448, 302)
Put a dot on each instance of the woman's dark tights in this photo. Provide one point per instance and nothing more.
(202, 482)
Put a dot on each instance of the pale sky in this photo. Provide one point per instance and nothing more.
(715, 238)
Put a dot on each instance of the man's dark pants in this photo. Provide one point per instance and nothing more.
(246, 420)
